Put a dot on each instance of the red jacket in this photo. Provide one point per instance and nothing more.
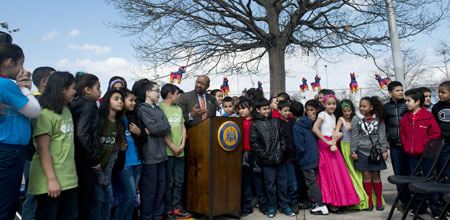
(416, 130)
(246, 138)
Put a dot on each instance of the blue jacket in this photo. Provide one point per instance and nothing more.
(307, 152)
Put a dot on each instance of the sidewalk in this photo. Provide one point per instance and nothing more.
(389, 193)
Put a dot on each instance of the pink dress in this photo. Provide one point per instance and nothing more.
(334, 179)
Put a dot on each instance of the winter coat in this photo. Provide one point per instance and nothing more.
(86, 125)
(394, 113)
(441, 112)
(307, 152)
(361, 141)
(287, 127)
(268, 140)
(416, 134)
(154, 119)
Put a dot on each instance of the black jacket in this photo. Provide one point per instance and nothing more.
(86, 122)
(441, 112)
(139, 141)
(268, 140)
(290, 147)
(394, 113)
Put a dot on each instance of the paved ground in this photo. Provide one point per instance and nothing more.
(389, 193)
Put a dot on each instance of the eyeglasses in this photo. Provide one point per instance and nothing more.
(155, 90)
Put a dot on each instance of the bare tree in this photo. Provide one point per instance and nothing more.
(443, 49)
(223, 35)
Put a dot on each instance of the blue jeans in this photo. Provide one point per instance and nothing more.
(12, 162)
(30, 204)
(276, 174)
(400, 165)
(426, 167)
(174, 183)
(292, 192)
(101, 204)
(129, 180)
(152, 186)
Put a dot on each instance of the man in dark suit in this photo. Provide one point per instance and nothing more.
(197, 105)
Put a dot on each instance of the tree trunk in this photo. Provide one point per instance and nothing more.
(277, 70)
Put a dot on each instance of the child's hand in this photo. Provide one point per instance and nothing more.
(134, 129)
(333, 148)
(173, 148)
(123, 146)
(180, 149)
(385, 155)
(348, 128)
(54, 189)
(24, 79)
(355, 156)
(331, 143)
(96, 167)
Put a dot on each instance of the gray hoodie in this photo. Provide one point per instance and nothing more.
(360, 141)
(154, 119)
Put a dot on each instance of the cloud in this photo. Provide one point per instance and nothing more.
(50, 35)
(91, 49)
(112, 65)
(74, 33)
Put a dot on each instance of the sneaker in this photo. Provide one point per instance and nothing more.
(289, 212)
(319, 210)
(170, 216)
(181, 214)
(245, 213)
(401, 207)
(380, 207)
(421, 212)
(272, 213)
(264, 211)
(294, 208)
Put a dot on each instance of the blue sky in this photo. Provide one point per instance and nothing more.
(73, 36)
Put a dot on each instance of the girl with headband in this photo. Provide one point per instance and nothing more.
(334, 179)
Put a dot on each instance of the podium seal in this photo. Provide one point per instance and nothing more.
(229, 135)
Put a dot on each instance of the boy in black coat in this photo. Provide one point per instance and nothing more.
(268, 140)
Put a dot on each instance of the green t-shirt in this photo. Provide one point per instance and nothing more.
(175, 116)
(60, 129)
(108, 132)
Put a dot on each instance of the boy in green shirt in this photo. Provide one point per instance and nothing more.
(175, 143)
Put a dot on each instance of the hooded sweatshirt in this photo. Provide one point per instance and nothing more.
(154, 119)
(307, 152)
(416, 130)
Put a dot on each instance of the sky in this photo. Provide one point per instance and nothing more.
(74, 36)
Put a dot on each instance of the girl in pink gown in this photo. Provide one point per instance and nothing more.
(334, 179)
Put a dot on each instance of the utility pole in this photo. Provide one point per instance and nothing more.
(395, 45)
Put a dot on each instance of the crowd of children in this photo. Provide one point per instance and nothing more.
(92, 154)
